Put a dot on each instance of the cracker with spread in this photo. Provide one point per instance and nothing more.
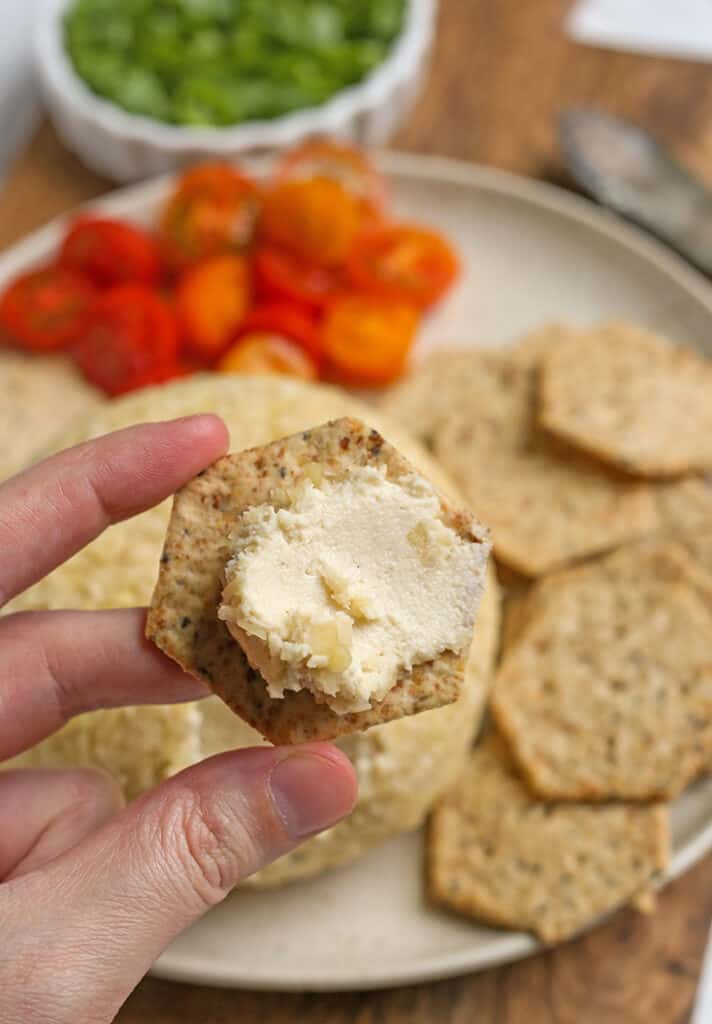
(320, 584)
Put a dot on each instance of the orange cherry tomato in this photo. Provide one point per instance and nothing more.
(211, 300)
(316, 219)
(45, 310)
(322, 158)
(110, 252)
(268, 354)
(284, 277)
(130, 340)
(214, 209)
(279, 319)
(366, 340)
(403, 262)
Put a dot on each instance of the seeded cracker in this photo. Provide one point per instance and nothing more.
(668, 560)
(607, 692)
(632, 400)
(450, 380)
(497, 854)
(183, 618)
(685, 513)
(447, 380)
(545, 508)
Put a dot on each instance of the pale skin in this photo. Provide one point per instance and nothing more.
(92, 891)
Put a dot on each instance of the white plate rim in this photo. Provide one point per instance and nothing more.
(506, 947)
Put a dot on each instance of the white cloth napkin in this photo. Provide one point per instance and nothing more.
(669, 28)
(19, 103)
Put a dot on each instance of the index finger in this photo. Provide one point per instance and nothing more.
(53, 509)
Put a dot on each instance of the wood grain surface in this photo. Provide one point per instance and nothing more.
(501, 73)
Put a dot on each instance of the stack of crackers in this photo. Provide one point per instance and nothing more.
(584, 451)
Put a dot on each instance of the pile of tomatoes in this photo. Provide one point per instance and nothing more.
(304, 274)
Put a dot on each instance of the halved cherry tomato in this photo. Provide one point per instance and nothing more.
(366, 340)
(214, 209)
(279, 319)
(211, 301)
(316, 219)
(130, 340)
(403, 262)
(282, 276)
(268, 354)
(110, 252)
(322, 158)
(45, 309)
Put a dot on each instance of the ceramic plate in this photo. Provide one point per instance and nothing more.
(530, 253)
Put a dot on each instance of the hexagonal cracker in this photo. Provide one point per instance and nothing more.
(183, 619)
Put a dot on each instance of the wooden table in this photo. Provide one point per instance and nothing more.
(502, 71)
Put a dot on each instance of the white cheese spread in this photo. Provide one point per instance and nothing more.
(353, 583)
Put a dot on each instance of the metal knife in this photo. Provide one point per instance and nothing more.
(628, 171)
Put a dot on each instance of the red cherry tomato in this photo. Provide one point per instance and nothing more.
(213, 210)
(281, 276)
(45, 309)
(283, 321)
(130, 340)
(403, 262)
(110, 252)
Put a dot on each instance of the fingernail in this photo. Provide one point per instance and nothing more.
(202, 423)
(310, 793)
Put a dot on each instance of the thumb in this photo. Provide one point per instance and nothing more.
(120, 896)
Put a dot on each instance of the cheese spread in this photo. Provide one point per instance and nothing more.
(349, 585)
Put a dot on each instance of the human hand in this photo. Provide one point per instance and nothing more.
(91, 893)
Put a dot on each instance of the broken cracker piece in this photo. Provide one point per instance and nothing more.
(281, 548)
(499, 855)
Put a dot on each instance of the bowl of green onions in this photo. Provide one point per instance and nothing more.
(139, 87)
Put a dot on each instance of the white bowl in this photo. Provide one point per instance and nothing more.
(126, 146)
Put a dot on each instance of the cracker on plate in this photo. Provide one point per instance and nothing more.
(668, 560)
(545, 508)
(607, 692)
(685, 513)
(683, 505)
(183, 619)
(445, 381)
(449, 380)
(497, 854)
(631, 399)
